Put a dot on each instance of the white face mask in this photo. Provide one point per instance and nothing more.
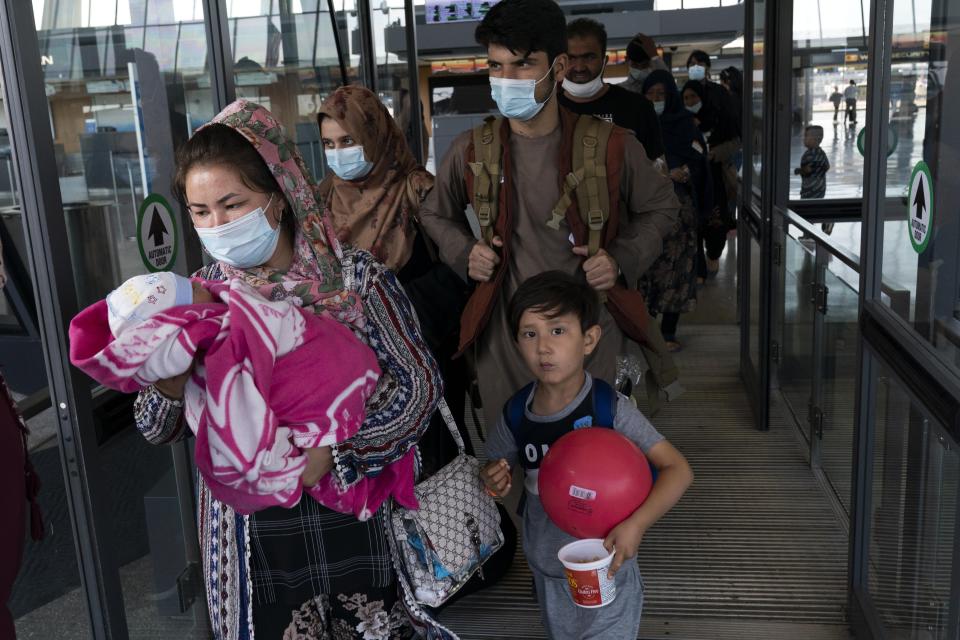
(587, 89)
(639, 74)
(659, 106)
(695, 108)
(697, 72)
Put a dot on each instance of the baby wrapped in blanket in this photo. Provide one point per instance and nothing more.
(273, 379)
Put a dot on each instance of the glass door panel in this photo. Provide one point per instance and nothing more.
(755, 303)
(829, 95)
(795, 372)
(921, 240)
(393, 73)
(127, 82)
(916, 479)
(102, 134)
(48, 584)
(285, 58)
(838, 371)
(757, 92)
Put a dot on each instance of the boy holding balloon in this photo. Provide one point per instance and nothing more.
(554, 318)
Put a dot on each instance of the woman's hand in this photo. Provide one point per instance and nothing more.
(497, 477)
(319, 464)
(173, 387)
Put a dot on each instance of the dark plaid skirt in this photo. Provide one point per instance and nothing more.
(300, 553)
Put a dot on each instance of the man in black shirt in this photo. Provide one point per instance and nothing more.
(584, 90)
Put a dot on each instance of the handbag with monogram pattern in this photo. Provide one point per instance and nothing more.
(439, 546)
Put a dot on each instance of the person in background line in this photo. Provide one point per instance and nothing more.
(642, 56)
(731, 79)
(850, 94)
(837, 99)
(668, 285)
(813, 165)
(584, 91)
(20, 485)
(719, 121)
(375, 186)
(373, 194)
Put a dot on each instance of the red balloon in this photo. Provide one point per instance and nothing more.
(593, 479)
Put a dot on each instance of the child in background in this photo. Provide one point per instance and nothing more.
(271, 384)
(554, 318)
(813, 165)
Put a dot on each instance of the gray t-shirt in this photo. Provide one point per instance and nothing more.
(542, 539)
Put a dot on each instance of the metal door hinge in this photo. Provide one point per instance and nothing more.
(777, 254)
(816, 421)
(775, 352)
(819, 297)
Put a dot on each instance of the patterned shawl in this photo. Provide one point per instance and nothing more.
(376, 213)
(314, 276)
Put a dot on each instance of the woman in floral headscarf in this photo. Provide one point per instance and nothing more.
(305, 572)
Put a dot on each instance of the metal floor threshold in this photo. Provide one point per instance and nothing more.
(753, 551)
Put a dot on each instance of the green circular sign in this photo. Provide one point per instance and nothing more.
(920, 207)
(893, 138)
(157, 236)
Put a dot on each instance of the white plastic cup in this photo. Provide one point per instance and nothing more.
(586, 563)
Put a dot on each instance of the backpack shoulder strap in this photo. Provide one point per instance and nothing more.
(587, 179)
(604, 404)
(513, 410)
(486, 169)
(593, 199)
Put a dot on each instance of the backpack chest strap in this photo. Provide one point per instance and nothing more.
(486, 169)
(587, 181)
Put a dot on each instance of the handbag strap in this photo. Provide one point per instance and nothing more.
(451, 425)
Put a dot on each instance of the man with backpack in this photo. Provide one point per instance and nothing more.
(551, 190)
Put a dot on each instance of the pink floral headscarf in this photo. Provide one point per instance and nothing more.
(314, 276)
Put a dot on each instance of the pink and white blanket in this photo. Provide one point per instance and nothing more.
(272, 379)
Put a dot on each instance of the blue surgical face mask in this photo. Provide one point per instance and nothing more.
(517, 99)
(697, 72)
(247, 242)
(695, 108)
(348, 163)
(659, 106)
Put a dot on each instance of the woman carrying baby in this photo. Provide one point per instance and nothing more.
(306, 572)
